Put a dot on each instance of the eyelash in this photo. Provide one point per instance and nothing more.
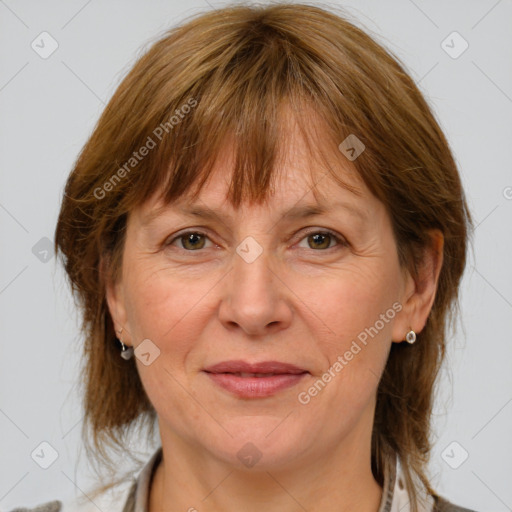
(340, 241)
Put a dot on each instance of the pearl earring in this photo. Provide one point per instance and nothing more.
(126, 352)
(410, 337)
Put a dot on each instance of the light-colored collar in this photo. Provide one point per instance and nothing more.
(140, 497)
(394, 495)
(401, 501)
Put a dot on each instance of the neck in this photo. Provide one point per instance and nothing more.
(188, 480)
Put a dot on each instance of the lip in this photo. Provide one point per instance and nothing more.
(228, 376)
(240, 366)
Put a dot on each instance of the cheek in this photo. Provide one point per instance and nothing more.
(171, 311)
(167, 308)
(356, 305)
(353, 300)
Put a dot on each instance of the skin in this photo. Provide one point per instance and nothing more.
(298, 302)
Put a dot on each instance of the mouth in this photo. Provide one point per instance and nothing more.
(255, 380)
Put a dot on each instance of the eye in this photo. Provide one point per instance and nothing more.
(317, 240)
(190, 240)
(321, 240)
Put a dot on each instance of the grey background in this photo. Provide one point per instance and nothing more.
(48, 109)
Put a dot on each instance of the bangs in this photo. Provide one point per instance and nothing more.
(248, 107)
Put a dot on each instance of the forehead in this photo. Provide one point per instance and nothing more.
(297, 178)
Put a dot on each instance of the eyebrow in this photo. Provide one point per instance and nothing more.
(295, 212)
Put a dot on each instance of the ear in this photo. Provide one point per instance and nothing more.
(419, 293)
(114, 293)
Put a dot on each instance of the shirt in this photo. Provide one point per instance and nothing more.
(135, 496)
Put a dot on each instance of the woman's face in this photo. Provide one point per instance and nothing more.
(310, 291)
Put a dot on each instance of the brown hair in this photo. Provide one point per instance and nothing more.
(227, 74)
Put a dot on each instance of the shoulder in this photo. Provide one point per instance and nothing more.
(443, 505)
(117, 499)
(124, 496)
(51, 506)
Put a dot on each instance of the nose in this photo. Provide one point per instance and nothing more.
(255, 299)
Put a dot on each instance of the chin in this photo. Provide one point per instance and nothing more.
(261, 443)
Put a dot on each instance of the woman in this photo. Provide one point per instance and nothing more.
(266, 233)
